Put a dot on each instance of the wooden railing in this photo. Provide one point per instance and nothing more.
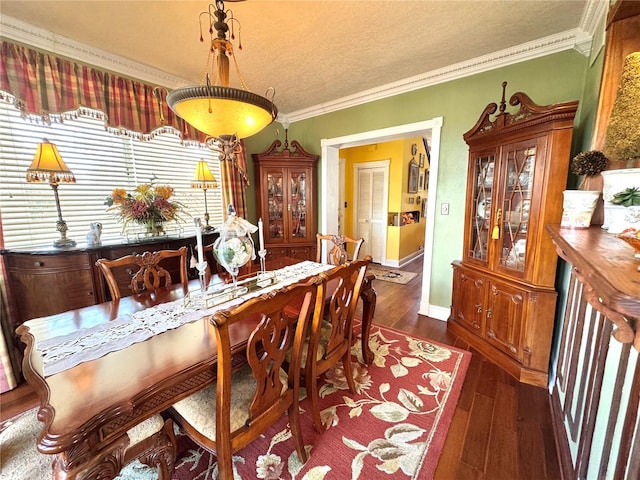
(596, 394)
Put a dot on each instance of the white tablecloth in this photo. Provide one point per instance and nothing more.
(61, 353)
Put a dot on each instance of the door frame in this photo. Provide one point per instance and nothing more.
(329, 170)
(356, 195)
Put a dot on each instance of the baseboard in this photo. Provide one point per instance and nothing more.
(403, 261)
(435, 311)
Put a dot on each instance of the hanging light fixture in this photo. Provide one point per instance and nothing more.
(204, 179)
(218, 109)
(48, 166)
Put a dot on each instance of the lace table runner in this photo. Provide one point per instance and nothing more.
(64, 352)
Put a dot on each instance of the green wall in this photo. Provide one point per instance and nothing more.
(555, 78)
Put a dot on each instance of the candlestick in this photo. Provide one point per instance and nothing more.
(199, 239)
(260, 234)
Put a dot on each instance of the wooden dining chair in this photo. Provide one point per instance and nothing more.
(337, 248)
(242, 405)
(152, 442)
(150, 274)
(331, 331)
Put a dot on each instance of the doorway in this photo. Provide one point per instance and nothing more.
(330, 170)
(371, 195)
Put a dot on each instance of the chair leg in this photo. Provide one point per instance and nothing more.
(225, 462)
(311, 382)
(348, 371)
(296, 431)
(167, 455)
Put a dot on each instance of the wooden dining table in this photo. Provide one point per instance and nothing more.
(87, 408)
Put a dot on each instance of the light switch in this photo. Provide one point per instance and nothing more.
(444, 209)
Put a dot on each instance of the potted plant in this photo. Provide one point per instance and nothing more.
(624, 211)
(578, 205)
(627, 197)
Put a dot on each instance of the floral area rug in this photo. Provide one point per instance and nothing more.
(394, 427)
(389, 275)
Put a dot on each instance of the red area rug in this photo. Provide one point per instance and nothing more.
(393, 428)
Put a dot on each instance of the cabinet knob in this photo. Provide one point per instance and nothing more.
(38, 264)
(479, 308)
(489, 313)
(491, 334)
(90, 293)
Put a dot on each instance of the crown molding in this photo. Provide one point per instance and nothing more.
(594, 12)
(36, 37)
(570, 39)
(579, 39)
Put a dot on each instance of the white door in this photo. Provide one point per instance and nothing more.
(371, 199)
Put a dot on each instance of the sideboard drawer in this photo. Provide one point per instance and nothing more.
(47, 264)
(43, 285)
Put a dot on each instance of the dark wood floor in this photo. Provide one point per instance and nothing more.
(501, 429)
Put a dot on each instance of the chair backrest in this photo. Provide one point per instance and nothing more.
(337, 248)
(150, 274)
(277, 331)
(342, 286)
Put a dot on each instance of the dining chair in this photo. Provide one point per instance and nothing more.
(337, 247)
(330, 339)
(244, 403)
(150, 275)
(152, 442)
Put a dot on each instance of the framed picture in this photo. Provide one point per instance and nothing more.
(421, 160)
(421, 182)
(413, 176)
(411, 200)
(424, 208)
(426, 148)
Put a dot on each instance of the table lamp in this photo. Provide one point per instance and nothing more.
(204, 179)
(48, 166)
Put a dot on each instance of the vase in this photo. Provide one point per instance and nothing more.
(578, 207)
(153, 227)
(233, 252)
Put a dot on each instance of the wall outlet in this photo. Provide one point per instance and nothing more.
(444, 209)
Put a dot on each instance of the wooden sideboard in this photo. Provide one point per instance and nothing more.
(595, 397)
(44, 280)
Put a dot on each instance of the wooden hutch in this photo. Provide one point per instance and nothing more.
(286, 196)
(504, 299)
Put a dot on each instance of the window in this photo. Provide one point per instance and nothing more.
(100, 161)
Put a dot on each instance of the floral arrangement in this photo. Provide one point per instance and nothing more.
(234, 252)
(147, 205)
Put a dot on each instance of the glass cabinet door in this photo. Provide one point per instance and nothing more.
(275, 201)
(484, 171)
(517, 186)
(298, 204)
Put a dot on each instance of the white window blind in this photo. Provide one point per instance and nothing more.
(100, 162)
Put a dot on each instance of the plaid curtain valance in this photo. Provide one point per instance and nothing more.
(46, 86)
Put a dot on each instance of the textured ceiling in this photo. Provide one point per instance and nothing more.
(311, 52)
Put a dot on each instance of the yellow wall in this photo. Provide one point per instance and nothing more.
(401, 241)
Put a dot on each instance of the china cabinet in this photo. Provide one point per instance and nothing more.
(286, 189)
(503, 288)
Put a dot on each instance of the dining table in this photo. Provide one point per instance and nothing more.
(101, 370)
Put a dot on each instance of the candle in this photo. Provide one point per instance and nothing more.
(260, 234)
(199, 239)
